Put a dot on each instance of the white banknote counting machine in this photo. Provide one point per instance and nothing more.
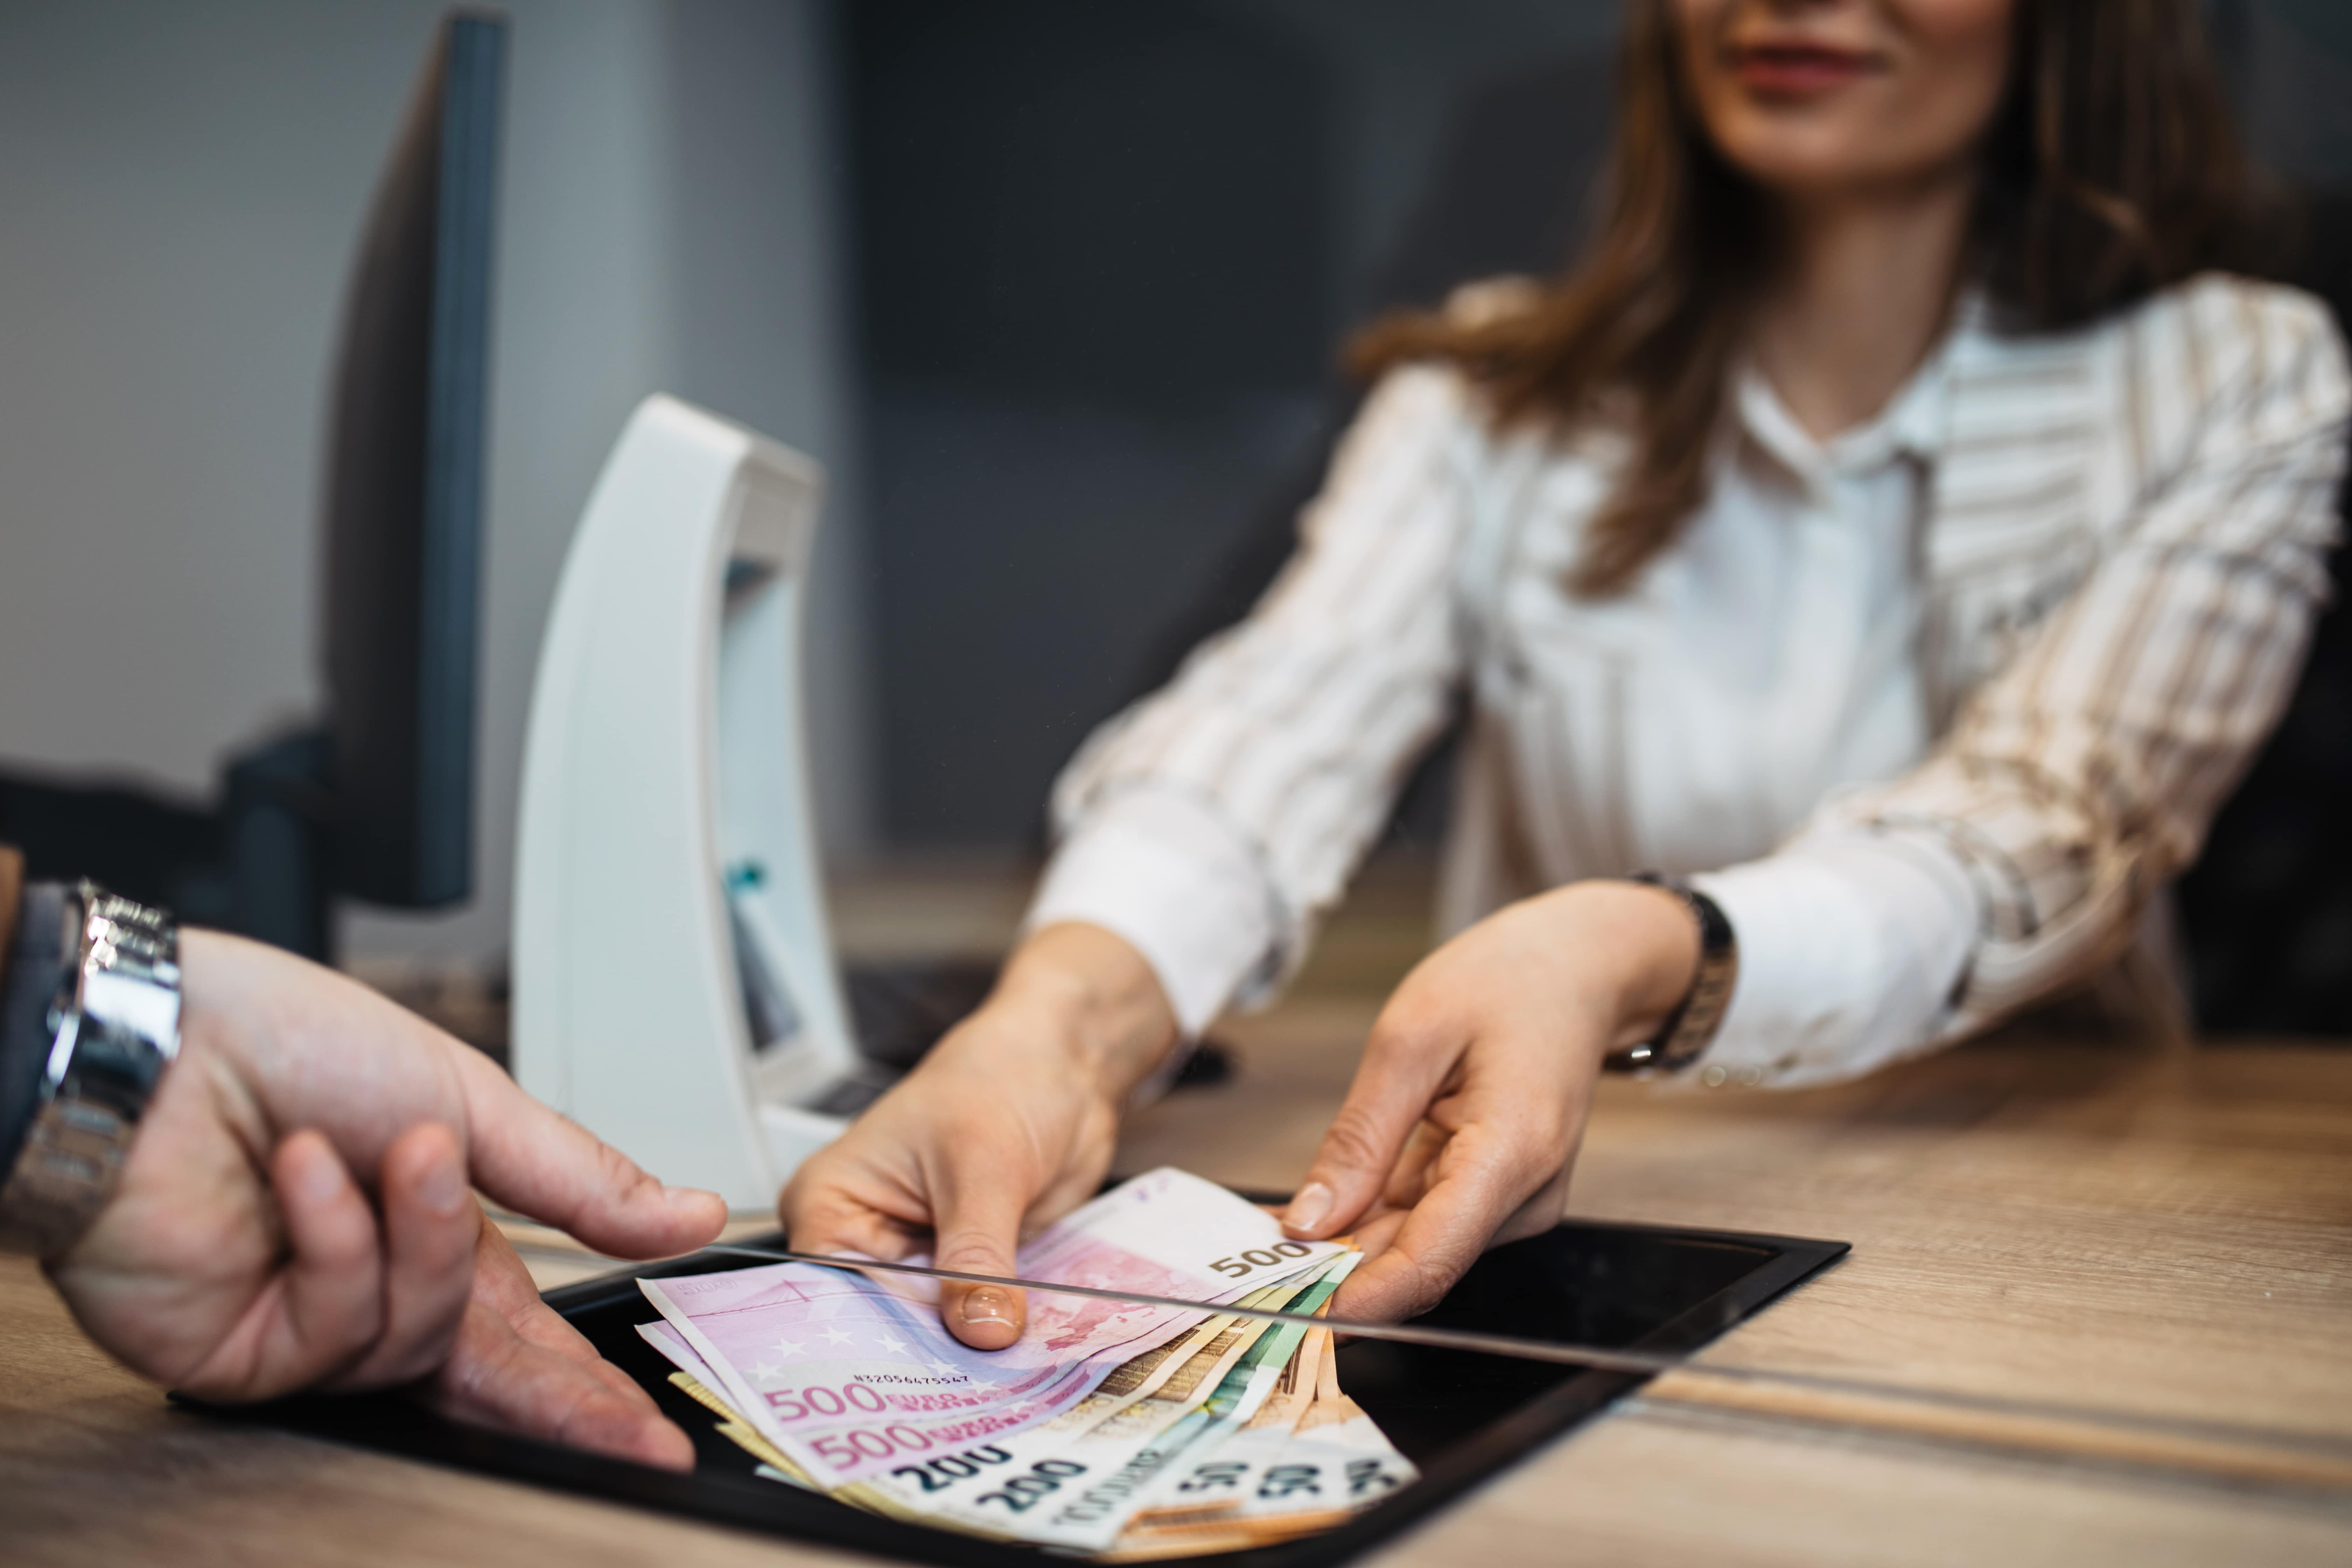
(673, 984)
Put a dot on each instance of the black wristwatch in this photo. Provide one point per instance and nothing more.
(1691, 1027)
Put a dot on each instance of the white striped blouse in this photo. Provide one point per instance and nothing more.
(1931, 709)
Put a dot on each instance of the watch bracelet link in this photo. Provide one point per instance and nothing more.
(112, 1026)
(1690, 1028)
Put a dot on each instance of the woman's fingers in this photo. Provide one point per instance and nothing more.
(1489, 1164)
(1409, 1179)
(1373, 1233)
(907, 1170)
(1478, 1187)
(823, 1214)
(431, 1227)
(1006, 1123)
(977, 1215)
(554, 1170)
(1403, 1071)
(902, 1172)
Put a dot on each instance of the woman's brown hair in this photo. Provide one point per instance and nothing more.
(2110, 170)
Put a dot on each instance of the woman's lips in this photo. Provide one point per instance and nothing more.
(1797, 69)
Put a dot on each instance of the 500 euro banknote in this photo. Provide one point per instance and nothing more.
(855, 1379)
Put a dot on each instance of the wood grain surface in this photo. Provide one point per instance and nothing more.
(2163, 1236)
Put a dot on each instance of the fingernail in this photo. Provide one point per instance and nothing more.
(686, 1200)
(987, 1305)
(1309, 1207)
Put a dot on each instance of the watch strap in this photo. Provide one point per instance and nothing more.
(1691, 1027)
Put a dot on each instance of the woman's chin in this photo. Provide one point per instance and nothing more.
(1815, 162)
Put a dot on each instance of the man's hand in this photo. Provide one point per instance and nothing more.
(1007, 1125)
(295, 1213)
(1461, 1126)
(517, 1364)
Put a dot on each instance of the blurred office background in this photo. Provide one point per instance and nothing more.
(1054, 288)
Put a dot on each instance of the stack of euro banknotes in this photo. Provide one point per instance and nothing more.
(1115, 1430)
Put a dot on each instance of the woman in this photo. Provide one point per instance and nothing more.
(1900, 523)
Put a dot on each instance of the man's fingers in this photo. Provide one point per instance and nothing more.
(503, 1284)
(330, 1290)
(431, 1227)
(495, 1378)
(1403, 1071)
(978, 1222)
(518, 1366)
(538, 1164)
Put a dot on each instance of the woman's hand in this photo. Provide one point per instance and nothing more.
(1463, 1122)
(1007, 1125)
(295, 1213)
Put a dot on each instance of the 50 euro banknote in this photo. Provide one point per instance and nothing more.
(1081, 1486)
(1311, 1457)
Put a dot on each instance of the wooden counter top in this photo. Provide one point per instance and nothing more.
(2167, 1235)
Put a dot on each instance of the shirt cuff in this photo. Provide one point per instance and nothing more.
(1168, 876)
(1851, 947)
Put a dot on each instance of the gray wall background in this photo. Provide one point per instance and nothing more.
(1093, 359)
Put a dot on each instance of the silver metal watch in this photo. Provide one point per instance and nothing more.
(113, 1026)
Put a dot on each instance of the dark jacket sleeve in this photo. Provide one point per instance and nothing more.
(31, 934)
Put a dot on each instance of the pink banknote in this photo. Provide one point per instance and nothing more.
(856, 1380)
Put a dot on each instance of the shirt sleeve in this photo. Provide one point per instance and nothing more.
(2080, 778)
(32, 963)
(1161, 870)
(1850, 946)
(1212, 824)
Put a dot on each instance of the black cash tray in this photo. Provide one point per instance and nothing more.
(1459, 1416)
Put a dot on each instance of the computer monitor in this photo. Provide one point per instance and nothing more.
(405, 492)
